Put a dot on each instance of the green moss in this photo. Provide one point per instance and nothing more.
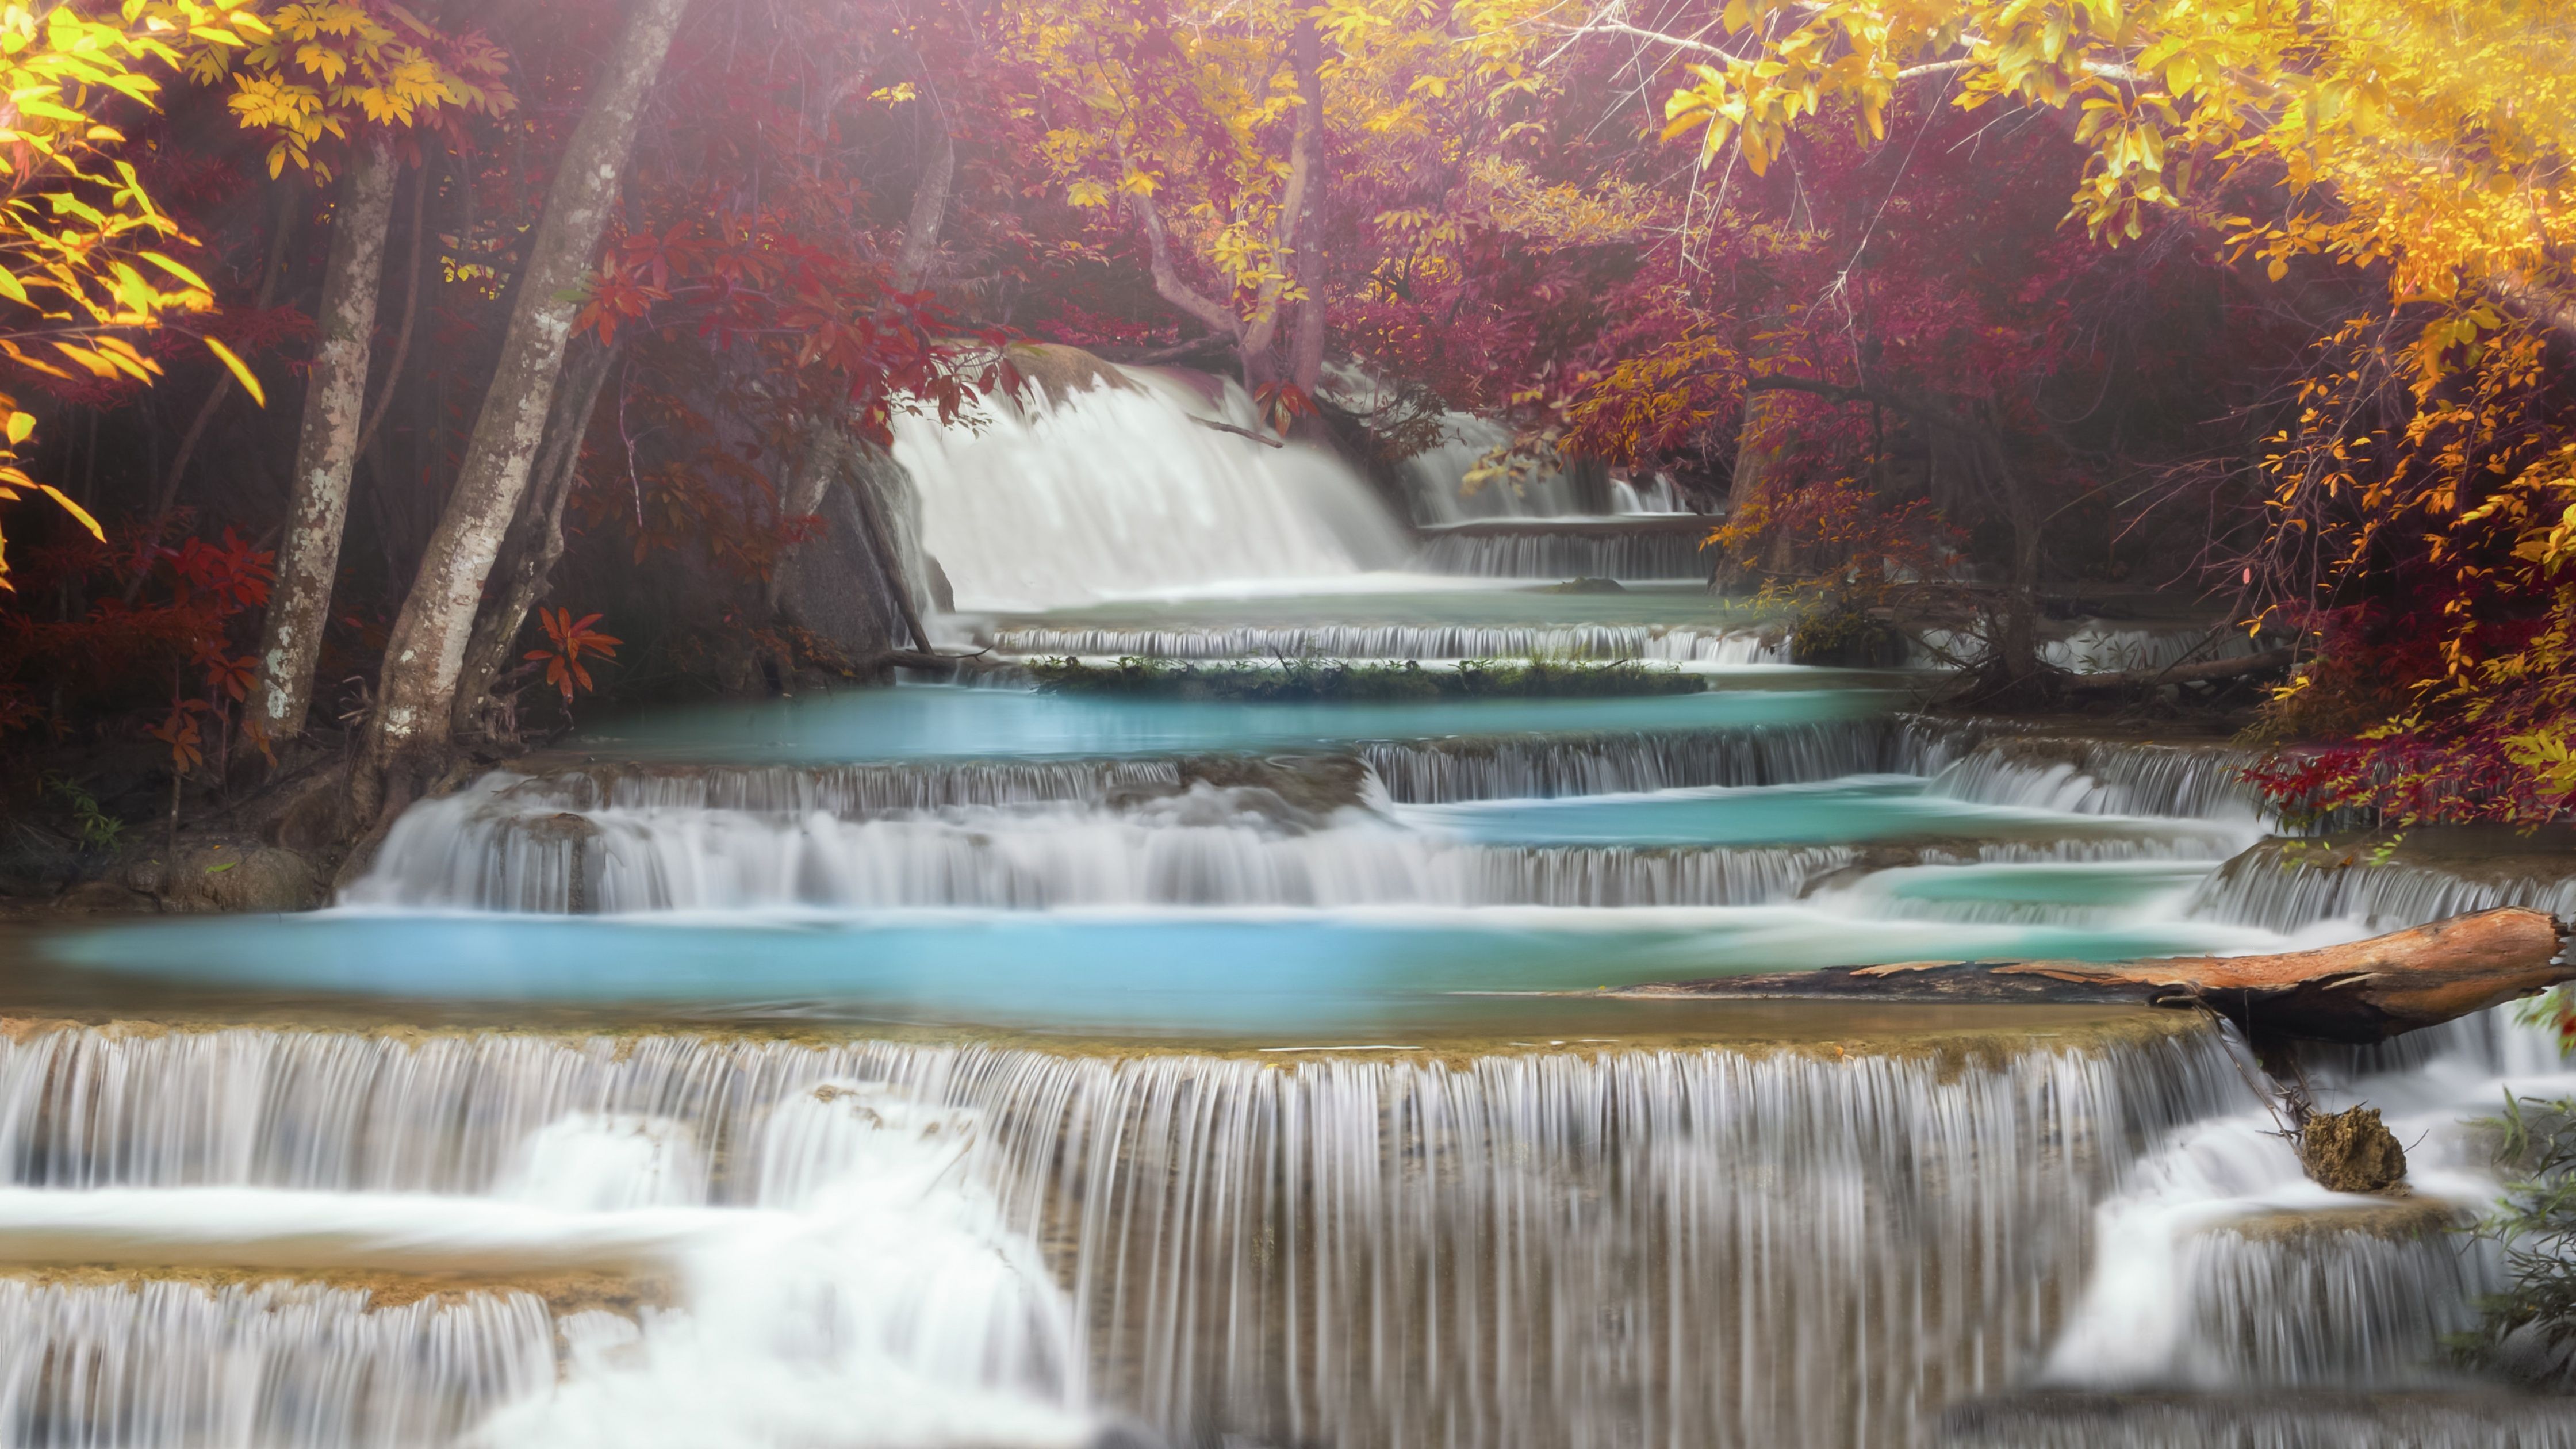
(1338, 680)
(1840, 636)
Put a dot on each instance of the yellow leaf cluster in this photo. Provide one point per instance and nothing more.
(85, 267)
(329, 65)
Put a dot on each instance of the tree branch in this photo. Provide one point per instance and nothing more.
(1167, 278)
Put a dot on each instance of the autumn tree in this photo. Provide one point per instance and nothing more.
(425, 653)
(86, 275)
(352, 87)
(2425, 147)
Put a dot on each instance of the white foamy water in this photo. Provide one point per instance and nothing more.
(174, 1365)
(2095, 646)
(1675, 644)
(2199, 1284)
(1117, 491)
(1274, 1249)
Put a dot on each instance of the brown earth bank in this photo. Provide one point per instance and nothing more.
(565, 1292)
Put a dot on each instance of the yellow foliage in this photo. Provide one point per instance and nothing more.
(330, 64)
(82, 260)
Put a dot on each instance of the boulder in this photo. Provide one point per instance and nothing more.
(2351, 1151)
(230, 876)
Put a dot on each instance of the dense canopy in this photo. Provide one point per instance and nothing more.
(342, 336)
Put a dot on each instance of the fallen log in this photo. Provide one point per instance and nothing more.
(2200, 671)
(2365, 991)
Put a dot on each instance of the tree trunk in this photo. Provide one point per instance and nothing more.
(1306, 342)
(308, 556)
(426, 652)
(2366, 991)
(929, 211)
(2016, 644)
(1760, 442)
(536, 537)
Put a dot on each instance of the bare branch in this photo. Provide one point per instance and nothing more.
(1167, 278)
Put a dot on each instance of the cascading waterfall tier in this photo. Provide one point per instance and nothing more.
(2278, 888)
(2316, 1302)
(1124, 488)
(1676, 644)
(1201, 848)
(1159, 833)
(1642, 549)
(2002, 764)
(177, 1365)
(1679, 1247)
(2097, 647)
(2337, 1419)
(1440, 771)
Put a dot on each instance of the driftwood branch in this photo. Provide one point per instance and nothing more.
(2199, 670)
(2365, 991)
(1262, 438)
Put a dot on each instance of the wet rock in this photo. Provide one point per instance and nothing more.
(1847, 638)
(102, 895)
(229, 876)
(2352, 1151)
(2538, 1355)
(1059, 371)
(311, 815)
(1585, 586)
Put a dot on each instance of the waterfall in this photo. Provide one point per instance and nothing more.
(2000, 766)
(1436, 478)
(2360, 1307)
(2270, 1419)
(1434, 771)
(1629, 548)
(2232, 1270)
(1657, 495)
(1678, 644)
(2278, 891)
(1504, 1251)
(1122, 488)
(2096, 647)
(178, 1365)
(1202, 848)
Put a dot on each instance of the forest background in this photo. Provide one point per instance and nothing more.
(366, 365)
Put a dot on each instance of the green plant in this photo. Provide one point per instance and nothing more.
(91, 825)
(2529, 1329)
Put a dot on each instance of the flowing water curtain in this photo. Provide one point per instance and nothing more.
(1546, 1249)
(1122, 487)
(146, 1364)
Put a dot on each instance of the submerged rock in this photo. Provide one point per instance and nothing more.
(2352, 1151)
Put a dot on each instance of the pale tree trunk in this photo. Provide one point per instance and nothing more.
(929, 211)
(409, 730)
(308, 555)
(536, 539)
(2016, 649)
(1306, 341)
(1300, 196)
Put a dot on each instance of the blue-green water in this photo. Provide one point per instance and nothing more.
(945, 722)
(1197, 974)
(1855, 808)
